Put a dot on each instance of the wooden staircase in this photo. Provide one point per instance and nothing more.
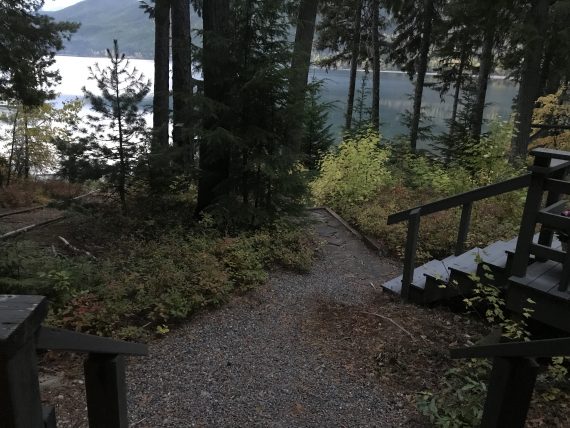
(532, 265)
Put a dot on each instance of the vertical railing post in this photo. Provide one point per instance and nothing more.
(20, 320)
(410, 252)
(546, 235)
(463, 228)
(106, 391)
(528, 221)
(510, 390)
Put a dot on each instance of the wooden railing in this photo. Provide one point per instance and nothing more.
(513, 377)
(465, 200)
(546, 174)
(22, 335)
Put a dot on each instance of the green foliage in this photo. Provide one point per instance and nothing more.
(366, 182)
(117, 125)
(459, 399)
(353, 173)
(317, 136)
(28, 44)
(460, 396)
(145, 284)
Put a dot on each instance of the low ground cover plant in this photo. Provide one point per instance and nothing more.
(144, 282)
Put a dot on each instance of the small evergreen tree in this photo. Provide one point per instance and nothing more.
(317, 136)
(117, 125)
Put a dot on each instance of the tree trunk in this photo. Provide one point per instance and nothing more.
(12, 147)
(217, 69)
(354, 64)
(421, 72)
(376, 64)
(182, 134)
(529, 88)
(160, 105)
(457, 93)
(486, 64)
(300, 65)
(122, 158)
(26, 147)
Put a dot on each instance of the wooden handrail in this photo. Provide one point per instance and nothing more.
(21, 335)
(465, 198)
(546, 348)
(56, 339)
(550, 153)
(513, 377)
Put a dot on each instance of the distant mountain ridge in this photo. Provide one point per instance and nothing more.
(104, 20)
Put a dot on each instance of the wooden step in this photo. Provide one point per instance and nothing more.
(541, 285)
(433, 268)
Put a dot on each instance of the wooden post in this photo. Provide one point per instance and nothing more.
(510, 391)
(106, 391)
(463, 228)
(20, 320)
(546, 235)
(49, 417)
(410, 254)
(528, 221)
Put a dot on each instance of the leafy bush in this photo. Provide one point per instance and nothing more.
(366, 183)
(354, 172)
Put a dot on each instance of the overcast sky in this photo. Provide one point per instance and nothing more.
(58, 4)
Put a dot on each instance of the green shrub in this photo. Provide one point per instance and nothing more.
(353, 173)
(146, 283)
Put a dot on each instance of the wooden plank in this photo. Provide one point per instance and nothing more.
(550, 153)
(557, 186)
(553, 166)
(22, 211)
(509, 393)
(542, 252)
(30, 227)
(20, 402)
(20, 317)
(64, 340)
(106, 390)
(545, 348)
(555, 221)
(463, 198)
(534, 270)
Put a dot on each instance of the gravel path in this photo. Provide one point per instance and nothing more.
(258, 361)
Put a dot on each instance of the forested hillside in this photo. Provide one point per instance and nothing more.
(104, 20)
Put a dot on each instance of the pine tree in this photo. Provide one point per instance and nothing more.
(317, 136)
(118, 125)
(411, 47)
(28, 44)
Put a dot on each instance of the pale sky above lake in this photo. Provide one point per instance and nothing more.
(58, 4)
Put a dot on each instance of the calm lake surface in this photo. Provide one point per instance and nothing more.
(395, 90)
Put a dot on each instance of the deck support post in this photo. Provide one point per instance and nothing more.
(509, 393)
(410, 254)
(463, 228)
(106, 390)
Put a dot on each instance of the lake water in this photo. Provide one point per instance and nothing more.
(395, 90)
